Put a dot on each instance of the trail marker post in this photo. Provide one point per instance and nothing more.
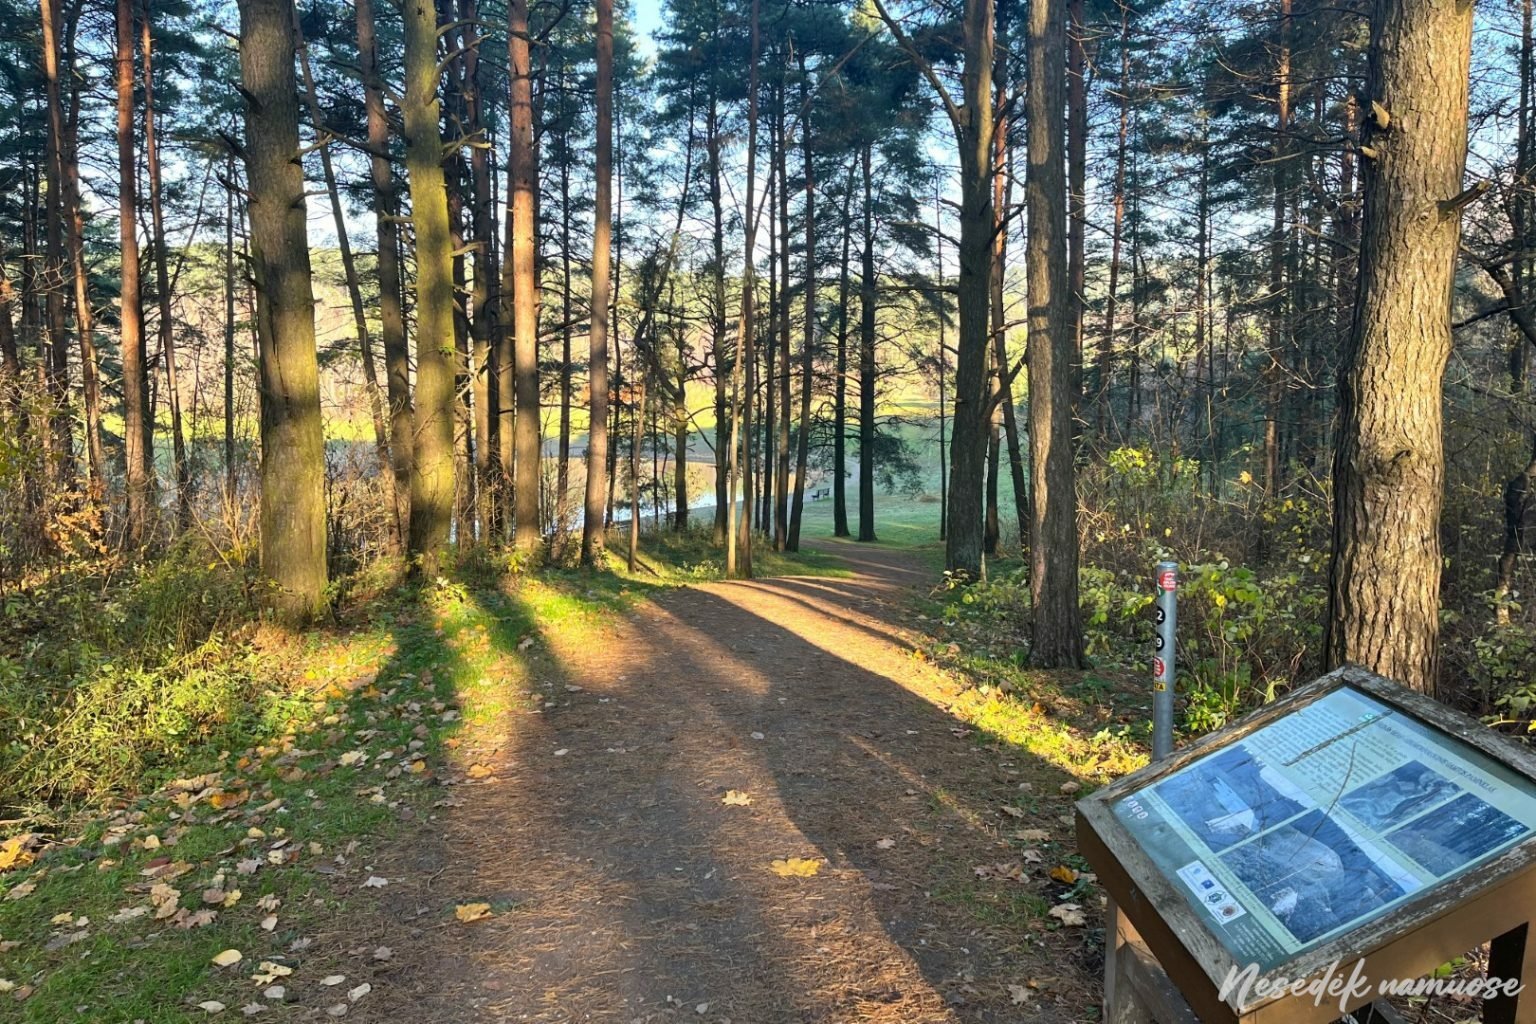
(1163, 657)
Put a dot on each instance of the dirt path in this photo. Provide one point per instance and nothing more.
(626, 891)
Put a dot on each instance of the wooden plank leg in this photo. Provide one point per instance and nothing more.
(1512, 956)
(1122, 1002)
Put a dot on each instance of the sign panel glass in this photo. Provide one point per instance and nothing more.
(1323, 820)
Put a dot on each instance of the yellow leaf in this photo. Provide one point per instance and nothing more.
(736, 798)
(1063, 874)
(228, 958)
(480, 771)
(468, 912)
(795, 867)
(13, 852)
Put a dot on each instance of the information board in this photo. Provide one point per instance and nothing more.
(1322, 820)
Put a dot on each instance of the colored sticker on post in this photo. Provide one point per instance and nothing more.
(1168, 579)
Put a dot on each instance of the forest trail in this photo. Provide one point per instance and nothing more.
(624, 889)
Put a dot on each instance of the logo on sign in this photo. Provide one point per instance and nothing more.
(1158, 668)
(1168, 579)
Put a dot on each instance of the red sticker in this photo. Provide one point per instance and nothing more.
(1168, 579)
(1158, 667)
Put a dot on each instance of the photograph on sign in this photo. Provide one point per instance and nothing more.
(1323, 820)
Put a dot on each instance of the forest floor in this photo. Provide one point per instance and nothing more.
(624, 885)
(753, 802)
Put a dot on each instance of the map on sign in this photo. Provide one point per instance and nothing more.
(1322, 820)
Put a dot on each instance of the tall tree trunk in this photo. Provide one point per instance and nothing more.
(968, 441)
(781, 473)
(344, 246)
(293, 541)
(1077, 164)
(943, 359)
(432, 478)
(718, 342)
(1004, 415)
(1279, 301)
(167, 332)
(563, 442)
(73, 216)
(808, 346)
(524, 296)
(602, 214)
(1384, 583)
(769, 349)
(738, 549)
(867, 356)
(402, 434)
(230, 481)
(1103, 408)
(1058, 631)
(637, 438)
(485, 301)
(840, 382)
(137, 422)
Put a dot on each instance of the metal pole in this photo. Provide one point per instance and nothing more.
(1163, 656)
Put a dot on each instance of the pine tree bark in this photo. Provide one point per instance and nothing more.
(432, 479)
(485, 319)
(1058, 631)
(867, 356)
(73, 216)
(1104, 411)
(166, 325)
(344, 246)
(402, 440)
(808, 346)
(738, 550)
(137, 422)
(523, 170)
(1389, 471)
(840, 382)
(718, 342)
(781, 471)
(597, 439)
(293, 537)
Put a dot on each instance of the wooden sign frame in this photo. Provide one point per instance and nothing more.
(1495, 900)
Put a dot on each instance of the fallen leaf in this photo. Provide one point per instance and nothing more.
(333, 979)
(269, 922)
(269, 972)
(468, 912)
(16, 852)
(1069, 914)
(358, 993)
(375, 882)
(885, 844)
(1071, 787)
(1008, 871)
(228, 958)
(212, 1006)
(795, 867)
(21, 891)
(1032, 835)
(1020, 994)
(1064, 874)
(480, 771)
(1012, 812)
(736, 798)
